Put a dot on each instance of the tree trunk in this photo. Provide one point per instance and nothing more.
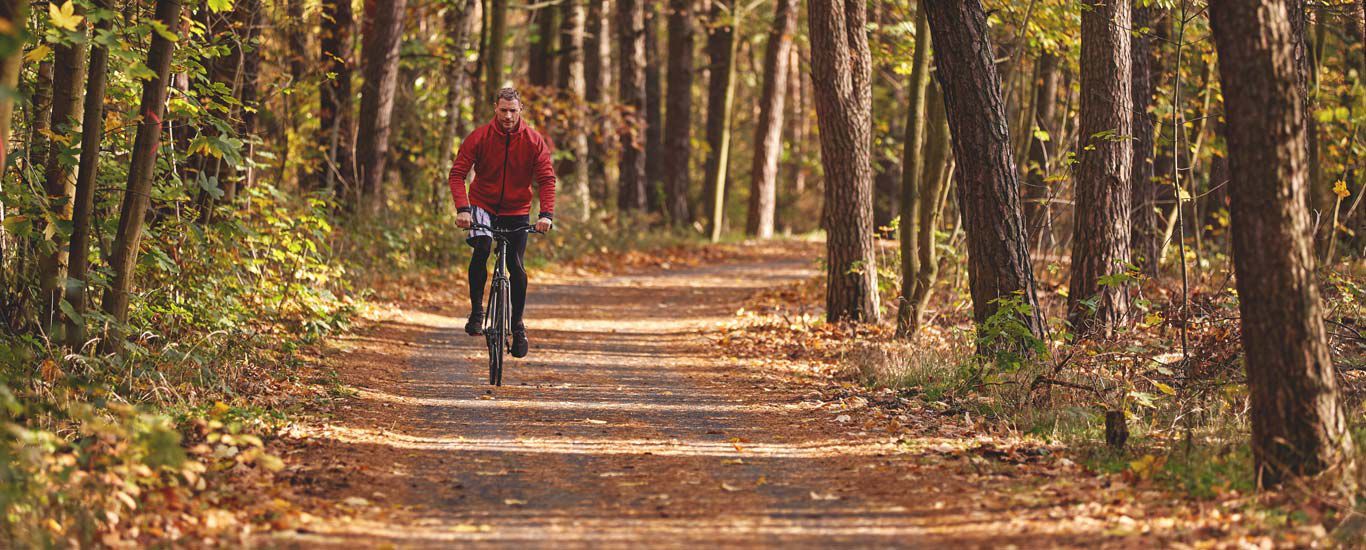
(123, 263)
(459, 17)
(799, 89)
(92, 133)
(597, 72)
(1037, 196)
(493, 54)
(988, 185)
(335, 96)
(382, 37)
(678, 128)
(1143, 245)
(1100, 244)
(15, 13)
(59, 182)
(545, 48)
(1298, 425)
(934, 192)
(720, 103)
(237, 71)
(248, 98)
(912, 160)
(1321, 197)
(576, 83)
(631, 89)
(654, 112)
(295, 29)
(840, 54)
(768, 135)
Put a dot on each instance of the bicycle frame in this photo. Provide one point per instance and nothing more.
(498, 322)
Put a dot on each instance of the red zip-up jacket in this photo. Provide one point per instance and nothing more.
(505, 164)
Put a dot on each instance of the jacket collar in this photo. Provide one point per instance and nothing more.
(498, 127)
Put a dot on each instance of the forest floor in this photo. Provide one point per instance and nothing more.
(628, 425)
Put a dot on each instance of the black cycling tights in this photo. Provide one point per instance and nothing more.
(479, 268)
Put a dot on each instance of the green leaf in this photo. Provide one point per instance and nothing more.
(70, 312)
(220, 6)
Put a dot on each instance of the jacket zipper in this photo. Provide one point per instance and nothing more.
(507, 149)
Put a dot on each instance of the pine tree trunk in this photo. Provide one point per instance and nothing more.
(133, 212)
(338, 25)
(912, 161)
(988, 185)
(541, 63)
(1143, 245)
(458, 19)
(59, 182)
(1298, 426)
(597, 72)
(934, 193)
(493, 53)
(383, 35)
(1101, 223)
(92, 134)
(720, 104)
(576, 82)
(15, 12)
(631, 90)
(1037, 196)
(768, 135)
(840, 54)
(654, 112)
(678, 128)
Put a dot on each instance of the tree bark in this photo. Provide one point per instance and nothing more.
(631, 90)
(59, 182)
(576, 82)
(1037, 196)
(493, 54)
(912, 160)
(654, 112)
(123, 263)
(1144, 246)
(934, 185)
(678, 128)
(720, 104)
(335, 97)
(597, 71)
(15, 12)
(1100, 244)
(381, 40)
(92, 133)
(1298, 426)
(988, 186)
(768, 135)
(459, 17)
(545, 49)
(840, 54)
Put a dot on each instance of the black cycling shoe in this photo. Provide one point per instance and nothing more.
(520, 345)
(475, 326)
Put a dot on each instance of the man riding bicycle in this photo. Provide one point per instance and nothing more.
(507, 157)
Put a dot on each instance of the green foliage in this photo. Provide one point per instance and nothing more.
(1005, 336)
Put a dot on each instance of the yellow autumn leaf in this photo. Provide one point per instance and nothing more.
(1340, 189)
(1164, 388)
(64, 17)
(39, 53)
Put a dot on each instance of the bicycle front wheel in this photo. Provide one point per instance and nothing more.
(493, 335)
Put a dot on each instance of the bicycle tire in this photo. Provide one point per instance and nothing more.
(494, 338)
(505, 321)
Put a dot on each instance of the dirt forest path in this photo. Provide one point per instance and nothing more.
(624, 428)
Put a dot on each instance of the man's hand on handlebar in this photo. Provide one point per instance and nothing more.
(464, 220)
(544, 224)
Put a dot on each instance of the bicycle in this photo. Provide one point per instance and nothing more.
(498, 321)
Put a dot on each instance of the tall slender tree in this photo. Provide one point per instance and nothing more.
(457, 22)
(382, 36)
(92, 133)
(493, 50)
(1143, 245)
(654, 111)
(678, 127)
(768, 134)
(59, 179)
(840, 54)
(988, 186)
(1298, 426)
(14, 13)
(1100, 244)
(545, 45)
(1036, 195)
(912, 161)
(335, 98)
(139, 191)
(576, 82)
(720, 104)
(597, 73)
(631, 92)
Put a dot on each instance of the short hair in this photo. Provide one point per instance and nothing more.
(509, 94)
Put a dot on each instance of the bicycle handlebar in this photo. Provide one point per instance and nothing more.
(523, 229)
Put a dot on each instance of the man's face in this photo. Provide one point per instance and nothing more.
(509, 113)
